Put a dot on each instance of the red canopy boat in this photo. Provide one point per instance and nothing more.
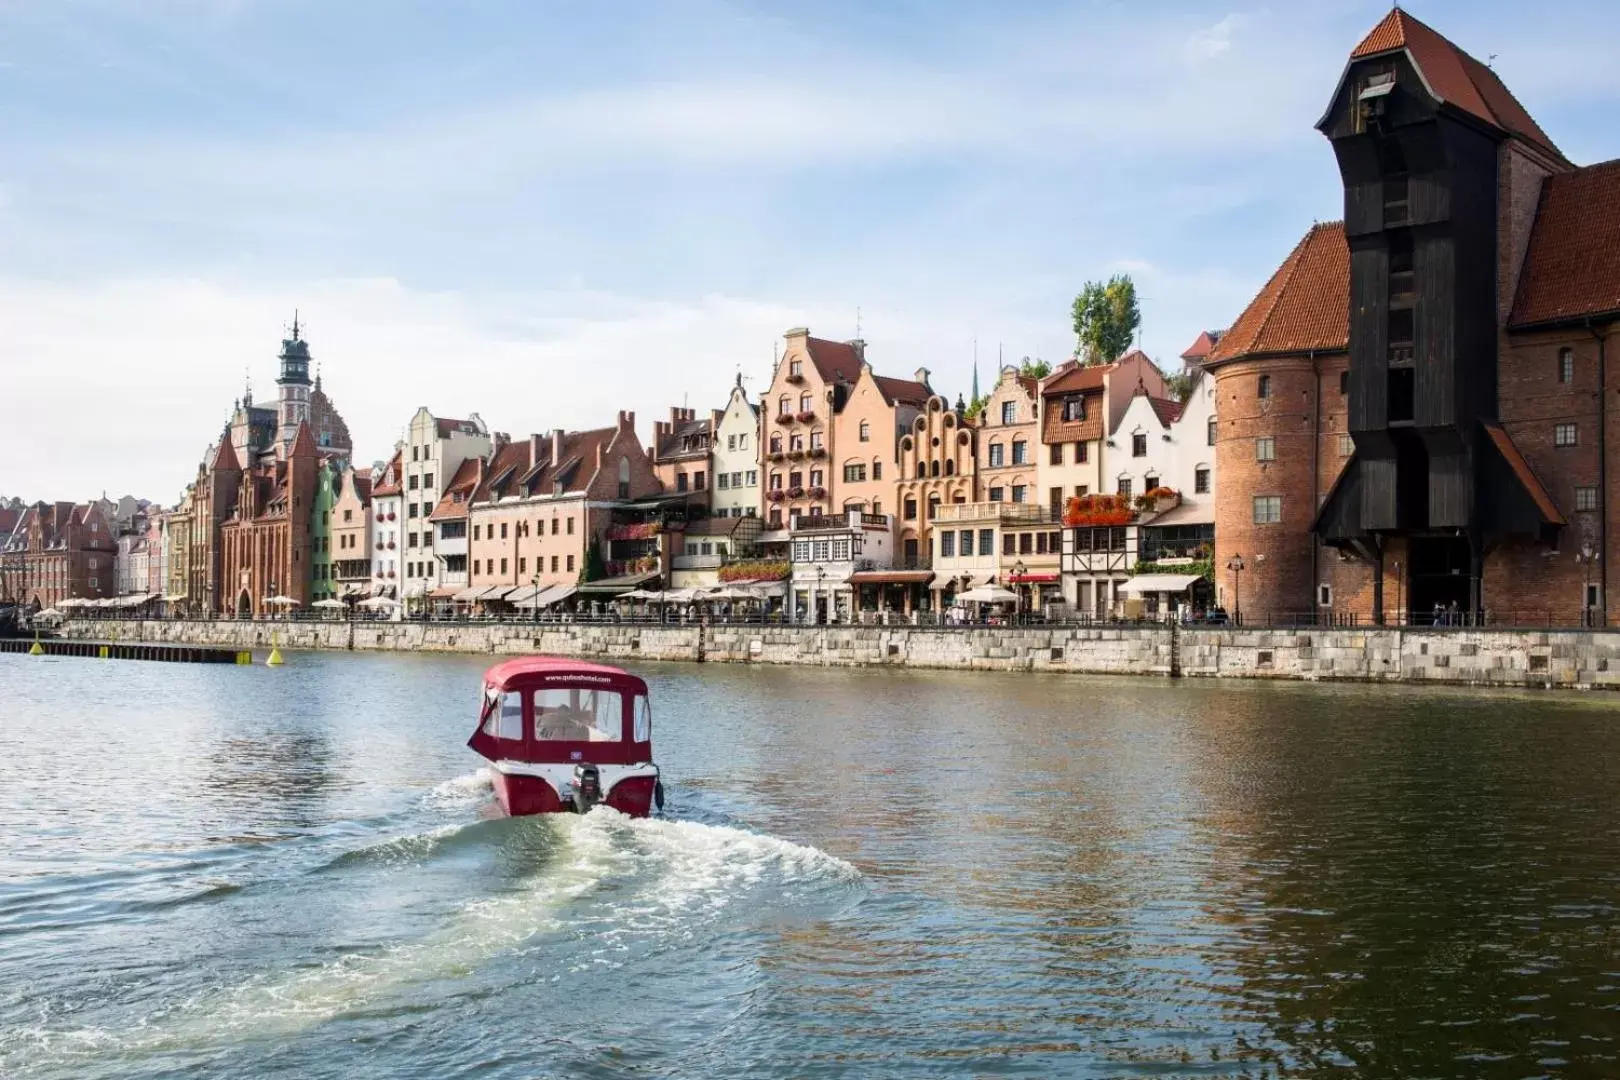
(562, 736)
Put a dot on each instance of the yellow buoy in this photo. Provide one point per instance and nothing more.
(37, 649)
(275, 659)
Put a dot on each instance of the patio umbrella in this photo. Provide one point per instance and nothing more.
(378, 602)
(334, 602)
(48, 613)
(988, 594)
(281, 601)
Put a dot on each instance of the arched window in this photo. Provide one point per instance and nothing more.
(866, 431)
(933, 468)
(1020, 452)
(784, 405)
(804, 402)
(624, 478)
(950, 467)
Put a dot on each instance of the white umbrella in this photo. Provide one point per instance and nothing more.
(378, 602)
(48, 613)
(281, 601)
(988, 594)
(334, 602)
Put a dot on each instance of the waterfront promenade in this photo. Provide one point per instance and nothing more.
(1506, 657)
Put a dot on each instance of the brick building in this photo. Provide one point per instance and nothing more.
(1413, 413)
(681, 450)
(57, 551)
(246, 523)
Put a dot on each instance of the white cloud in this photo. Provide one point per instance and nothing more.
(128, 381)
(1214, 41)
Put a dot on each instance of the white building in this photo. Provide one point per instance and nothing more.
(736, 491)
(387, 515)
(1160, 456)
(825, 552)
(434, 449)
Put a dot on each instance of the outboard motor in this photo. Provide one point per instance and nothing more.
(587, 787)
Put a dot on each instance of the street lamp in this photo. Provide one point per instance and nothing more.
(821, 599)
(1235, 564)
(1585, 558)
(1018, 590)
(534, 595)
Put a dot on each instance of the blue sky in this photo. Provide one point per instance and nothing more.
(548, 211)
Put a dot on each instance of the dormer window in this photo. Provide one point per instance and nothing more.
(1074, 408)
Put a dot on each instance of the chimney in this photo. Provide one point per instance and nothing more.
(534, 449)
(859, 345)
(797, 332)
(627, 420)
(922, 377)
(556, 447)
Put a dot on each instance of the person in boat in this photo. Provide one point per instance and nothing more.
(562, 724)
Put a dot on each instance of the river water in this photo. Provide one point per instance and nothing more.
(296, 872)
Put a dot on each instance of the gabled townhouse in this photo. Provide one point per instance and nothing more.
(387, 507)
(58, 551)
(351, 532)
(541, 518)
(938, 469)
(736, 490)
(449, 522)
(876, 413)
(434, 449)
(681, 450)
(812, 381)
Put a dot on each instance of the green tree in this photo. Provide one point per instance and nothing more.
(1180, 385)
(1105, 319)
(595, 568)
(1034, 369)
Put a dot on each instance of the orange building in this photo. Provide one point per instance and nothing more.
(876, 412)
(938, 466)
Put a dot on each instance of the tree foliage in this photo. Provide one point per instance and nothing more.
(1105, 319)
(1180, 384)
(1034, 369)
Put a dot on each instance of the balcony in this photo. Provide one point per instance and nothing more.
(1005, 513)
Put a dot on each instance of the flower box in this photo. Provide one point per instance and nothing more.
(755, 570)
(775, 495)
(818, 451)
(817, 493)
(1098, 510)
(796, 455)
(796, 493)
(806, 417)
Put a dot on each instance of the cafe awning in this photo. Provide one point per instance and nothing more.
(891, 577)
(616, 585)
(465, 596)
(446, 592)
(1154, 583)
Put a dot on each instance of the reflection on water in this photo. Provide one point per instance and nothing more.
(256, 872)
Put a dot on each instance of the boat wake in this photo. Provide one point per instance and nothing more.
(595, 893)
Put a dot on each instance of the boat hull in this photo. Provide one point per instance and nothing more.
(520, 795)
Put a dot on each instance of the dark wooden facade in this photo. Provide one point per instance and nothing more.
(1421, 222)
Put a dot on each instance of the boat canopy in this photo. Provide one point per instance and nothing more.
(545, 709)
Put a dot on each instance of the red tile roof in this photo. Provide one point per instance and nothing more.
(1201, 347)
(905, 391)
(303, 444)
(836, 360)
(1304, 307)
(1072, 377)
(225, 456)
(1168, 411)
(1521, 469)
(450, 427)
(1572, 265)
(1454, 76)
(459, 491)
(381, 490)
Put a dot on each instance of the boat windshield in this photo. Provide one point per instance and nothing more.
(578, 715)
(643, 728)
(503, 714)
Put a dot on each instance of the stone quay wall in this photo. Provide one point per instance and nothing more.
(1512, 658)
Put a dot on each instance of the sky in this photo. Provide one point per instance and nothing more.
(544, 212)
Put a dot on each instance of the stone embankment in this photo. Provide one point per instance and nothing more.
(1523, 658)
